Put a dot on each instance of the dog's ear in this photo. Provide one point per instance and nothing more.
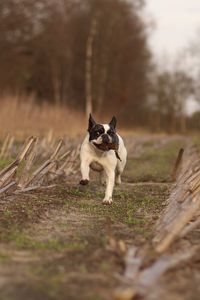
(113, 122)
(91, 122)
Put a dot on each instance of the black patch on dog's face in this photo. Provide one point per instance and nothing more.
(112, 133)
(91, 123)
(96, 131)
(113, 122)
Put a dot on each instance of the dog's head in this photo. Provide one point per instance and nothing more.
(103, 136)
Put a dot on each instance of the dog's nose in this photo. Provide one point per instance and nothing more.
(105, 138)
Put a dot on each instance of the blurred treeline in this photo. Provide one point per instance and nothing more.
(43, 51)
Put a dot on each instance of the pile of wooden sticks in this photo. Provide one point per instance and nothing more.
(182, 213)
(180, 217)
(21, 175)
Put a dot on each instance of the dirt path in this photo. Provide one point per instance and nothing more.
(67, 251)
(63, 244)
(48, 259)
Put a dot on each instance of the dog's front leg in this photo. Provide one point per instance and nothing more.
(85, 170)
(110, 181)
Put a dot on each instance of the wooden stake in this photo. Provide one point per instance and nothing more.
(29, 163)
(177, 164)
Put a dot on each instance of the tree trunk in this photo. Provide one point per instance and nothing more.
(56, 87)
(103, 67)
(101, 94)
(158, 121)
(56, 83)
(183, 122)
(88, 75)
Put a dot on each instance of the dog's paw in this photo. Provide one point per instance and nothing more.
(107, 201)
(118, 180)
(84, 181)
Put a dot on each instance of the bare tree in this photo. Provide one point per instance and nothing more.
(89, 57)
(171, 91)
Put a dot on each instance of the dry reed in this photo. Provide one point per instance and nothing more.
(21, 116)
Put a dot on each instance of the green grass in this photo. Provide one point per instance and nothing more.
(154, 164)
(4, 162)
(8, 213)
(4, 258)
(130, 206)
(21, 241)
(196, 141)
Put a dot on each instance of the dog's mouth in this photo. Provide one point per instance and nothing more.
(106, 146)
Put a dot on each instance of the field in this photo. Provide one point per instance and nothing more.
(62, 243)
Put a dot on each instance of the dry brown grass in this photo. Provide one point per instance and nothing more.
(20, 116)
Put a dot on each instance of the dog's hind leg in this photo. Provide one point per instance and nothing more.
(120, 169)
(102, 177)
(118, 178)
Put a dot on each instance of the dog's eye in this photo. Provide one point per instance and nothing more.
(98, 133)
(110, 132)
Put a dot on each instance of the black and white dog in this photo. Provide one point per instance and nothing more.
(103, 150)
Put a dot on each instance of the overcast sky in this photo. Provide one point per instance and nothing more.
(176, 23)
